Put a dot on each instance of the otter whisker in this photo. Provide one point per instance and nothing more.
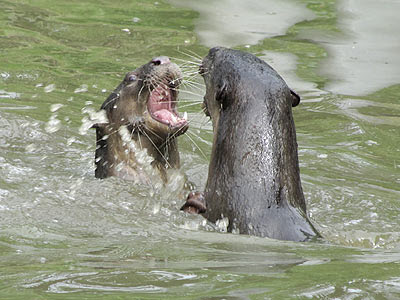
(198, 137)
(153, 132)
(192, 79)
(187, 90)
(155, 146)
(189, 65)
(195, 144)
(190, 73)
(140, 91)
(192, 54)
(188, 105)
(140, 140)
(111, 100)
(170, 137)
(190, 70)
(194, 86)
(185, 61)
(191, 84)
(191, 93)
(102, 138)
(187, 101)
(159, 82)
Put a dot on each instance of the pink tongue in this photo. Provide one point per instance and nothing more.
(166, 116)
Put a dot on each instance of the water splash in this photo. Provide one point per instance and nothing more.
(53, 125)
(82, 89)
(49, 88)
(93, 117)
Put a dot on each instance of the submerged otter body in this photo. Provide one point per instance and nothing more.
(254, 177)
(141, 115)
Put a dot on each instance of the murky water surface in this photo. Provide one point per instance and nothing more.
(66, 235)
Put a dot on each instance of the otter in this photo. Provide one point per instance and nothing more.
(254, 177)
(141, 113)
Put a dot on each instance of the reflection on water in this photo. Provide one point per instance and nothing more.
(286, 64)
(365, 58)
(64, 232)
(231, 23)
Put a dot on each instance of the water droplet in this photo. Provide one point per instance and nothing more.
(70, 141)
(11, 95)
(82, 89)
(50, 88)
(53, 125)
(30, 148)
(95, 117)
(370, 143)
(222, 224)
(156, 208)
(5, 75)
(55, 107)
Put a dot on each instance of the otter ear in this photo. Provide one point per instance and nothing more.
(295, 98)
(99, 125)
(221, 94)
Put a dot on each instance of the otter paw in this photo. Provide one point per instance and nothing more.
(195, 203)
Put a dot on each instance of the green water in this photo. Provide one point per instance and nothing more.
(66, 235)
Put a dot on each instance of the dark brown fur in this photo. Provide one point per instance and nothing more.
(254, 177)
(129, 121)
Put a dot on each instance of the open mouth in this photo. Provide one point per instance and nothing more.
(162, 106)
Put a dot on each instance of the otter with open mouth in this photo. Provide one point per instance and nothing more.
(141, 113)
(253, 177)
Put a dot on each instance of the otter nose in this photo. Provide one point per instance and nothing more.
(160, 60)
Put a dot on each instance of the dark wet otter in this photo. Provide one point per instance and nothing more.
(141, 114)
(254, 177)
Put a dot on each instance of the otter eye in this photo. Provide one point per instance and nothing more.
(132, 78)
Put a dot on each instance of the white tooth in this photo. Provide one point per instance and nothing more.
(174, 120)
(185, 115)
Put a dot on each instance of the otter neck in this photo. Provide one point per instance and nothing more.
(255, 150)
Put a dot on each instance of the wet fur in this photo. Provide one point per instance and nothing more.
(125, 107)
(254, 177)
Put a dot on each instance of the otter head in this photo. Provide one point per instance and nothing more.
(216, 85)
(148, 96)
(223, 81)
